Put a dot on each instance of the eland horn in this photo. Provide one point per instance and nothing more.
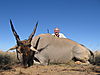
(32, 34)
(14, 32)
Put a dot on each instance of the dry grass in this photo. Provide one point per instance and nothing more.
(7, 67)
(54, 70)
(7, 58)
(97, 58)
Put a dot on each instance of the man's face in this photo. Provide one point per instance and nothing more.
(56, 32)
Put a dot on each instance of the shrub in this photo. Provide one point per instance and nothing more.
(97, 57)
(7, 58)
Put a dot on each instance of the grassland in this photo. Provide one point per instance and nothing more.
(9, 66)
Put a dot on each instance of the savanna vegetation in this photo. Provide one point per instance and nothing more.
(9, 66)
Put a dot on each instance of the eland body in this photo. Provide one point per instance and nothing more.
(59, 50)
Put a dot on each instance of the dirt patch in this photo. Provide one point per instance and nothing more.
(53, 70)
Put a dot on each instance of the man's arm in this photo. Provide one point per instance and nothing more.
(62, 35)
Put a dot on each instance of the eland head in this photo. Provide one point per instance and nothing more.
(23, 47)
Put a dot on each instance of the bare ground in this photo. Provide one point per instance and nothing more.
(61, 69)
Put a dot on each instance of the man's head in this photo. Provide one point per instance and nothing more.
(56, 31)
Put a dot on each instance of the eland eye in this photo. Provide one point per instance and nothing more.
(21, 44)
(29, 45)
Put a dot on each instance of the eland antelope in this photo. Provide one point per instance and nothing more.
(45, 48)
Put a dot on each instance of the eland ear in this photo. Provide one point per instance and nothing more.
(33, 49)
(36, 45)
(33, 33)
(12, 48)
(15, 33)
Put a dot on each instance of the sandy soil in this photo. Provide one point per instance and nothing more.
(51, 70)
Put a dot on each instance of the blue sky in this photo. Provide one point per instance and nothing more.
(78, 20)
